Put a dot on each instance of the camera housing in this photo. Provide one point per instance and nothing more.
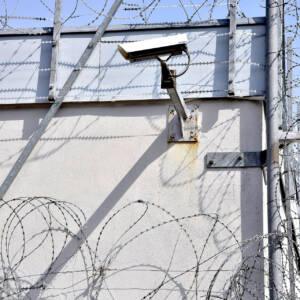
(152, 48)
(182, 122)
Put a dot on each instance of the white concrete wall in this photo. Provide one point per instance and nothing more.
(101, 158)
(105, 208)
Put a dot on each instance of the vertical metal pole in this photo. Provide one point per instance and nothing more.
(272, 98)
(288, 166)
(286, 122)
(55, 50)
(290, 99)
(232, 45)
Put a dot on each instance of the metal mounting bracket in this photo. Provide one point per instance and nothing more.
(232, 160)
(180, 130)
(182, 121)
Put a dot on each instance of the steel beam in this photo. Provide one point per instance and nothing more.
(289, 137)
(272, 91)
(289, 81)
(288, 125)
(55, 50)
(134, 27)
(125, 102)
(59, 100)
(235, 160)
(232, 46)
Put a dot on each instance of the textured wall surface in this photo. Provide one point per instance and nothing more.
(95, 163)
(105, 208)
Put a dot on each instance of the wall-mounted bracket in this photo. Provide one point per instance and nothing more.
(180, 130)
(182, 121)
(232, 160)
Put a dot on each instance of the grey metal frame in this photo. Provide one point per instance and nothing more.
(126, 102)
(272, 93)
(138, 27)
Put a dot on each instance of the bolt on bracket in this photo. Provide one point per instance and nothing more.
(233, 160)
(180, 130)
(182, 121)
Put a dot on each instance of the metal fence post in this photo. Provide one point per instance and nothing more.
(272, 124)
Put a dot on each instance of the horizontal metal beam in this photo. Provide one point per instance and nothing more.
(134, 27)
(289, 137)
(126, 102)
(232, 160)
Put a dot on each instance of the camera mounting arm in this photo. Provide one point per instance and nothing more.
(183, 126)
(168, 82)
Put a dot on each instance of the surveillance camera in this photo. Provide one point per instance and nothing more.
(152, 48)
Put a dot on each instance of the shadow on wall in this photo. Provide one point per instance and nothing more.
(77, 131)
(100, 268)
(158, 149)
(154, 151)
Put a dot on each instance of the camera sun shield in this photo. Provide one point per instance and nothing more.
(151, 48)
